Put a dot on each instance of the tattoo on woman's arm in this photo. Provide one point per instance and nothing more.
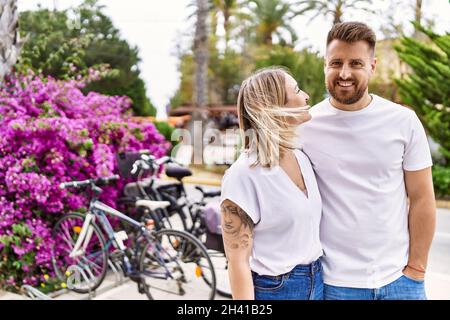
(238, 227)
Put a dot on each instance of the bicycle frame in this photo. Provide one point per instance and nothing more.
(191, 206)
(97, 209)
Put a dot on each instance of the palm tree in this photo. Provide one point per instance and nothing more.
(201, 53)
(335, 8)
(10, 42)
(418, 8)
(417, 18)
(272, 17)
(226, 8)
(201, 76)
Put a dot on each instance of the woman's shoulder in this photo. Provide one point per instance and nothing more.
(243, 166)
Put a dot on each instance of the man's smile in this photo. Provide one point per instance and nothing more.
(345, 84)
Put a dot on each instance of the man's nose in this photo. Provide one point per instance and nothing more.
(344, 73)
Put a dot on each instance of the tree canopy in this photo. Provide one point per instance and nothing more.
(427, 89)
(69, 42)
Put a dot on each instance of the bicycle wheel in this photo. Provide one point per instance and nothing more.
(214, 245)
(173, 266)
(85, 272)
(220, 265)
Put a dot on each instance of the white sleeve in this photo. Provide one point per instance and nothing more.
(241, 190)
(417, 154)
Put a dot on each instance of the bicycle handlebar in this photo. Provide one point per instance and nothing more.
(148, 161)
(208, 194)
(84, 183)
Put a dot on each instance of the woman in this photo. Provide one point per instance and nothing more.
(270, 203)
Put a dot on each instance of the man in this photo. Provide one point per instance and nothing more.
(369, 155)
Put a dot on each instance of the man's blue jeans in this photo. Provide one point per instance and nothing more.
(403, 288)
(304, 282)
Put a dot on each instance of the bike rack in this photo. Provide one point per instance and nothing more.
(34, 294)
(117, 270)
(114, 266)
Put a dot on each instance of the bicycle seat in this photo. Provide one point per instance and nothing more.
(210, 194)
(178, 172)
(152, 205)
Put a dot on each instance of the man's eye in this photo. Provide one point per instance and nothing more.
(334, 63)
(357, 63)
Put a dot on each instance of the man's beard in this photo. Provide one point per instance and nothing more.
(344, 99)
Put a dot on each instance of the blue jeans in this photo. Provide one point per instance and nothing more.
(403, 288)
(304, 282)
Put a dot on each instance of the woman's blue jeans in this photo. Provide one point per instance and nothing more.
(304, 282)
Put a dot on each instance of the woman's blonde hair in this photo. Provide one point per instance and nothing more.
(263, 117)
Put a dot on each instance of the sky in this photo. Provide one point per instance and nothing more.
(156, 28)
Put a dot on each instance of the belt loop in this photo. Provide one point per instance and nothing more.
(315, 267)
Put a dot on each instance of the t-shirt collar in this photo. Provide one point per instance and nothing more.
(361, 111)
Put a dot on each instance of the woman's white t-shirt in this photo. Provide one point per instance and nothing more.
(286, 220)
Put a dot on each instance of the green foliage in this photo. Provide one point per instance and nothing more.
(52, 48)
(185, 91)
(335, 8)
(166, 130)
(64, 48)
(228, 70)
(262, 36)
(427, 89)
(383, 88)
(305, 66)
(273, 18)
(225, 74)
(441, 180)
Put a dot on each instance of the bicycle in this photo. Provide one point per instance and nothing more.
(183, 213)
(164, 263)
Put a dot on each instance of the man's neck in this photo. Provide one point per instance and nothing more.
(359, 105)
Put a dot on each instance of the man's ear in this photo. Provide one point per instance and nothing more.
(373, 65)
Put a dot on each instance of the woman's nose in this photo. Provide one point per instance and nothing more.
(306, 96)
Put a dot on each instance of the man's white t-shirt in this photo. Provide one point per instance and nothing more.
(359, 158)
(286, 221)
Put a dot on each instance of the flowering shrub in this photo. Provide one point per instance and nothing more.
(50, 132)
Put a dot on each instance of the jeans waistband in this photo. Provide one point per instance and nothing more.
(312, 268)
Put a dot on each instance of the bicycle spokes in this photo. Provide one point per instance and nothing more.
(84, 269)
(185, 263)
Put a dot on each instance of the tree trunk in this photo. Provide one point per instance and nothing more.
(201, 79)
(10, 42)
(201, 54)
(417, 17)
(226, 26)
(338, 13)
(267, 38)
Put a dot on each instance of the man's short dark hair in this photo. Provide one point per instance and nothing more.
(352, 32)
